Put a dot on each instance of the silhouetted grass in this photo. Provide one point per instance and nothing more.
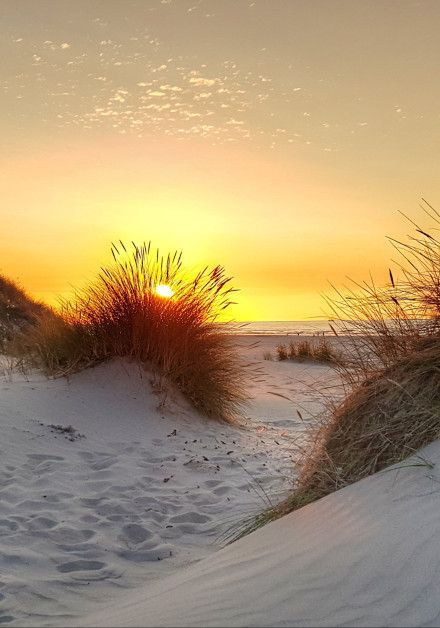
(122, 315)
(282, 352)
(392, 407)
(392, 403)
(309, 350)
(18, 311)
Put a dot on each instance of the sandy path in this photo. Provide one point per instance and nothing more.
(367, 555)
(135, 491)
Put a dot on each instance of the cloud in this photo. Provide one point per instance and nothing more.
(170, 88)
(64, 46)
(199, 81)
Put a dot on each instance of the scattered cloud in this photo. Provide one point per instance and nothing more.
(199, 81)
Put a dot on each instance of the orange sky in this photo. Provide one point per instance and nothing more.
(284, 154)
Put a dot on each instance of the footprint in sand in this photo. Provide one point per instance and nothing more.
(222, 490)
(92, 502)
(43, 457)
(41, 523)
(6, 479)
(135, 533)
(190, 517)
(89, 519)
(98, 461)
(103, 465)
(7, 526)
(98, 486)
(143, 545)
(8, 496)
(160, 552)
(212, 483)
(70, 536)
(111, 507)
(81, 565)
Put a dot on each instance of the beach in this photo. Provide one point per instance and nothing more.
(109, 482)
(219, 313)
(123, 506)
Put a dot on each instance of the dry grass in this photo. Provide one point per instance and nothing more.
(382, 422)
(309, 350)
(121, 315)
(282, 353)
(385, 324)
(392, 377)
(392, 407)
(18, 311)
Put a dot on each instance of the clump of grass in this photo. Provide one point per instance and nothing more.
(384, 324)
(267, 355)
(282, 352)
(122, 315)
(18, 311)
(307, 350)
(57, 345)
(392, 407)
(382, 422)
(392, 377)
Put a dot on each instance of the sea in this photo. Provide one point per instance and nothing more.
(279, 328)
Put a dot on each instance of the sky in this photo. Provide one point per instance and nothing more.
(278, 138)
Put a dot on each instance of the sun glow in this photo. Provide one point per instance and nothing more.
(164, 291)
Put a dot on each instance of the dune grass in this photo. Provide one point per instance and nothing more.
(122, 315)
(18, 311)
(392, 406)
(309, 350)
(392, 415)
(391, 373)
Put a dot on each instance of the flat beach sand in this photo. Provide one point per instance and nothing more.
(117, 500)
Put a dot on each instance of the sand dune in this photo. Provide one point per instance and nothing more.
(367, 555)
(119, 520)
(138, 488)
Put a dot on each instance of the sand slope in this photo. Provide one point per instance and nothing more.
(140, 488)
(368, 555)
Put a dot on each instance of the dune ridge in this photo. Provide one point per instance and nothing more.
(366, 555)
(108, 483)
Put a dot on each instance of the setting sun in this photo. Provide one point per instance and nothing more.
(219, 305)
(164, 291)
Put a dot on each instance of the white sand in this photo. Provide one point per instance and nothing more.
(368, 555)
(140, 489)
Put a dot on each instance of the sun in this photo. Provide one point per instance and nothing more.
(164, 291)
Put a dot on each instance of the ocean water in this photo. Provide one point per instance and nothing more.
(291, 328)
(311, 327)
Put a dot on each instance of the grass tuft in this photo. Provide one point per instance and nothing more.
(18, 311)
(392, 373)
(309, 350)
(122, 315)
(386, 419)
(391, 370)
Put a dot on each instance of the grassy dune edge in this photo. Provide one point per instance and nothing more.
(124, 314)
(391, 374)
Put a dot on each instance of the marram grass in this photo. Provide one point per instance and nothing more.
(121, 314)
(18, 311)
(391, 370)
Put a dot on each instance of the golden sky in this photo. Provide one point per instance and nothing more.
(279, 138)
